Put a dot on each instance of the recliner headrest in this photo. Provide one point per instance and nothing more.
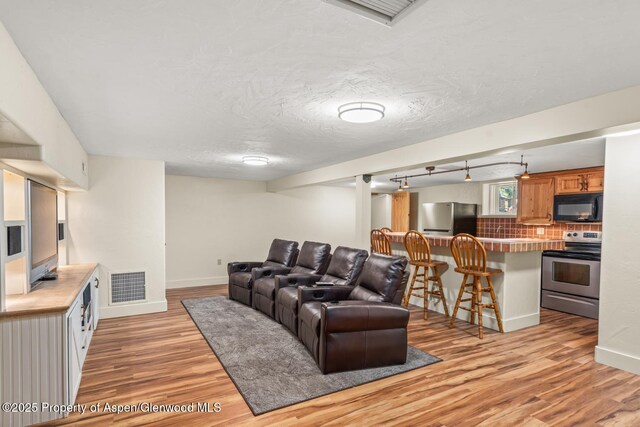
(380, 279)
(282, 252)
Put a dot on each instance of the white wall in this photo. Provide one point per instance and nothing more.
(619, 325)
(120, 223)
(230, 220)
(465, 192)
(381, 211)
(24, 101)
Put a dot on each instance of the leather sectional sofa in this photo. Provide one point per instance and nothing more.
(348, 318)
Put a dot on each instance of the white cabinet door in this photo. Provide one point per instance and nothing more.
(76, 352)
(95, 300)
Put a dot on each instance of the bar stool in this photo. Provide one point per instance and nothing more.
(380, 242)
(471, 260)
(419, 251)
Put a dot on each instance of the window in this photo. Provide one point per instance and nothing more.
(502, 198)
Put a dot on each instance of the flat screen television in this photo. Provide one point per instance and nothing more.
(42, 231)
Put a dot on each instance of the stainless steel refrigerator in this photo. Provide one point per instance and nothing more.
(448, 219)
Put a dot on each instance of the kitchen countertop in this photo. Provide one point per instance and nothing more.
(493, 245)
(50, 296)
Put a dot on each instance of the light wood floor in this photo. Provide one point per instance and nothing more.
(543, 375)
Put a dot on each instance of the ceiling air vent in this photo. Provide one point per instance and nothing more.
(386, 12)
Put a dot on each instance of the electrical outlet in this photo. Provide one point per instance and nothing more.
(219, 261)
(540, 231)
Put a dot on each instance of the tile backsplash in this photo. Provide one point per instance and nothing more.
(507, 228)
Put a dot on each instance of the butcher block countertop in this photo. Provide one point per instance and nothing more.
(51, 296)
(493, 245)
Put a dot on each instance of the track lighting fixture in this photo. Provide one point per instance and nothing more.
(431, 170)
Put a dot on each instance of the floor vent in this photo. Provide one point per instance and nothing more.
(386, 12)
(128, 287)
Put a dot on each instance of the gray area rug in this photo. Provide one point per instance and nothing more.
(268, 364)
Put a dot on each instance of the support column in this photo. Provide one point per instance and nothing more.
(618, 326)
(363, 211)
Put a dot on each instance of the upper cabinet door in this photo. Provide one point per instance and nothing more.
(595, 181)
(569, 184)
(588, 181)
(535, 200)
(400, 210)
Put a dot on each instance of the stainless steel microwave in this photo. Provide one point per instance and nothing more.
(578, 207)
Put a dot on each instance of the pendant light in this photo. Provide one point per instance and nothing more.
(399, 183)
(406, 183)
(525, 175)
(468, 177)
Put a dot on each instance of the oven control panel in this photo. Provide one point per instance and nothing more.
(583, 236)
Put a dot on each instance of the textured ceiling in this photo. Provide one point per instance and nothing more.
(201, 83)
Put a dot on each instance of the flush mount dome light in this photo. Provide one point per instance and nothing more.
(361, 112)
(255, 160)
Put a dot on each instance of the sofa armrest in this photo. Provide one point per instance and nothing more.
(323, 293)
(238, 267)
(296, 280)
(258, 273)
(353, 316)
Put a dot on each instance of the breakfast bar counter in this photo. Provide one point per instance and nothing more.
(517, 289)
(492, 244)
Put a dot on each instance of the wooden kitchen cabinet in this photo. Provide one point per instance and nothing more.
(595, 181)
(569, 184)
(535, 200)
(582, 181)
(404, 211)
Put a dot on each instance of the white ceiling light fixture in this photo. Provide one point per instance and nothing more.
(361, 112)
(255, 160)
(386, 12)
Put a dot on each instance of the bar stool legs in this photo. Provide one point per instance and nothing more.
(476, 305)
(424, 278)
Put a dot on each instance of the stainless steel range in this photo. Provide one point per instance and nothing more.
(571, 278)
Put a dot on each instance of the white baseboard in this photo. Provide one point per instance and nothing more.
(110, 311)
(203, 281)
(613, 358)
(520, 322)
(488, 321)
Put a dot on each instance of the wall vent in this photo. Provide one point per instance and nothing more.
(386, 12)
(128, 287)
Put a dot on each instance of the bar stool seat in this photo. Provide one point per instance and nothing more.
(471, 260)
(472, 272)
(419, 251)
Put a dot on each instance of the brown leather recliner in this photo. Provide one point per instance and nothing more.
(313, 259)
(347, 328)
(283, 253)
(344, 269)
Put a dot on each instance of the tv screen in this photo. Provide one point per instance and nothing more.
(43, 229)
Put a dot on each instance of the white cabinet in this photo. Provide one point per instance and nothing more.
(82, 319)
(42, 351)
